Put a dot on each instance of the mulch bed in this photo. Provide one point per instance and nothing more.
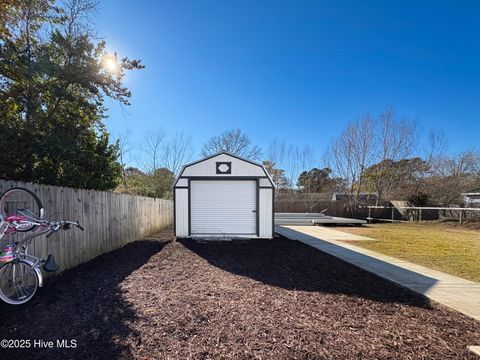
(157, 299)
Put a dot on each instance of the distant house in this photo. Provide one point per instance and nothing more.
(471, 198)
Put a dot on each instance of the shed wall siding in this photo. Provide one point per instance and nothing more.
(265, 182)
(208, 167)
(265, 215)
(181, 212)
(208, 170)
(182, 182)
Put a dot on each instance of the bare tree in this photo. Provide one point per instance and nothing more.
(434, 145)
(350, 154)
(276, 151)
(163, 156)
(291, 158)
(177, 151)
(396, 137)
(297, 160)
(78, 15)
(125, 149)
(453, 175)
(432, 151)
(364, 153)
(395, 140)
(233, 141)
(152, 150)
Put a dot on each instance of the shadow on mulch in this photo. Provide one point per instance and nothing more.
(156, 299)
(84, 304)
(292, 265)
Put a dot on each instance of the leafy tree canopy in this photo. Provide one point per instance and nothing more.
(158, 184)
(277, 175)
(316, 180)
(53, 82)
(398, 179)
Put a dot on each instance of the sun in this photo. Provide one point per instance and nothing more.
(110, 64)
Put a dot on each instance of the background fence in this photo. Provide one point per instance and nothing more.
(299, 203)
(111, 220)
(317, 202)
(333, 208)
(400, 211)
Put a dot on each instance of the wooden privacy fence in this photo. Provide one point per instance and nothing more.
(111, 220)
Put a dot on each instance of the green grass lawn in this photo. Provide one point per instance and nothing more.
(450, 249)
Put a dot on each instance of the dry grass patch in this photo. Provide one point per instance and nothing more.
(450, 249)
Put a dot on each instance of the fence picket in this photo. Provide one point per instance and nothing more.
(111, 220)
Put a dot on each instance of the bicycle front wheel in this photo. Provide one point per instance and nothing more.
(18, 282)
(18, 201)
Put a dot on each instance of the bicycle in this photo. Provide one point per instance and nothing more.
(20, 275)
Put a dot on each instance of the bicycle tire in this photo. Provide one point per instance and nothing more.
(22, 300)
(37, 210)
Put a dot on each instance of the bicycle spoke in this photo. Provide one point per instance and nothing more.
(18, 283)
(20, 294)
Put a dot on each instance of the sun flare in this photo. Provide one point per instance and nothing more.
(110, 64)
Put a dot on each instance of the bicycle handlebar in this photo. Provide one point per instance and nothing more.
(56, 226)
(53, 226)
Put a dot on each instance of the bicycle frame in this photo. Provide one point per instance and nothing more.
(21, 249)
(9, 225)
(22, 222)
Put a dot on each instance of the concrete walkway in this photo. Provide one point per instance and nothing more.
(452, 291)
(327, 233)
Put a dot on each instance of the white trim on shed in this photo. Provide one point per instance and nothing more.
(223, 196)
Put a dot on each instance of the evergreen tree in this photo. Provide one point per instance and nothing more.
(52, 92)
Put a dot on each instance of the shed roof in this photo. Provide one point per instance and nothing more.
(472, 192)
(228, 154)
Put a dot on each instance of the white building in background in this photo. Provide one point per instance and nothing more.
(223, 196)
(472, 198)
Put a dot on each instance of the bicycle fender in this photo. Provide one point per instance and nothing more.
(37, 271)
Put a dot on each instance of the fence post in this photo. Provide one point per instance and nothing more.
(460, 220)
(420, 215)
(393, 213)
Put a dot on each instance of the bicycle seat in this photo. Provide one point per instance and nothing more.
(15, 218)
(50, 265)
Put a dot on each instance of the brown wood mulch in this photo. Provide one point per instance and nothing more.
(157, 299)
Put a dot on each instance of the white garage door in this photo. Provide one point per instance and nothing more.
(223, 207)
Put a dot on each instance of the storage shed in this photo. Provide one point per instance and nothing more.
(223, 196)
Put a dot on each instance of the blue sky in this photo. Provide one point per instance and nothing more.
(296, 70)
